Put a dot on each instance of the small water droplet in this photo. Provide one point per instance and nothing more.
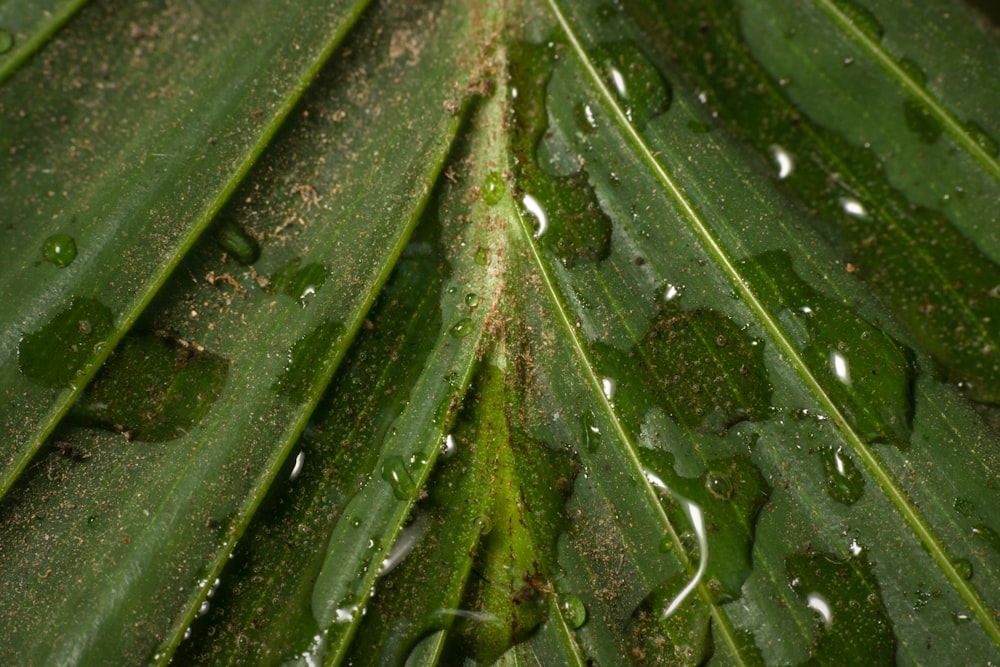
(471, 299)
(861, 18)
(494, 188)
(988, 535)
(481, 256)
(574, 611)
(394, 471)
(6, 41)
(462, 328)
(484, 523)
(300, 460)
(844, 482)
(59, 249)
(591, 434)
(853, 208)
(448, 446)
(719, 485)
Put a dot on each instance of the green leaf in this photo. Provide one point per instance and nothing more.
(528, 333)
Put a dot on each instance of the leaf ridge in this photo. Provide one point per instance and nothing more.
(884, 478)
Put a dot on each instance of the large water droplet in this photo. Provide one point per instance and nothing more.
(853, 624)
(153, 388)
(394, 471)
(59, 249)
(844, 482)
(238, 243)
(59, 351)
(638, 85)
(862, 18)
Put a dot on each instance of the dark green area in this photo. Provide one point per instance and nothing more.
(299, 281)
(57, 353)
(933, 279)
(237, 241)
(153, 388)
(305, 361)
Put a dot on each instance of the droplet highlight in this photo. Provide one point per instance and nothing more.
(494, 188)
(59, 249)
(640, 88)
(573, 611)
(462, 328)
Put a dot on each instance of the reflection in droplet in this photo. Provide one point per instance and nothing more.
(346, 614)
(408, 538)
(59, 249)
(618, 81)
(853, 208)
(608, 384)
(300, 460)
(697, 519)
(493, 188)
(536, 210)
(448, 447)
(471, 299)
(462, 328)
(839, 366)
(394, 471)
(818, 603)
(786, 164)
(670, 292)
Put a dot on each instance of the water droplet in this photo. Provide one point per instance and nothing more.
(921, 122)
(306, 361)
(786, 163)
(494, 188)
(964, 568)
(854, 625)
(913, 71)
(573, 611)
(608, 385)
(448, 446)
(670, 292)
(481, 256)
(591, 434)
(6, 41)
(59, 351)
(299, 281)
(237, 242)
(484, 523)
(844, 482)
(394, 471)
(719, 485)
(471, 299)
(59, 249)
(408, 538)
(153, 388)
(462, 328)
(638, 85)
(981, 137)
(585, 117)
(987, 535)
(841, 369)
(861, 18)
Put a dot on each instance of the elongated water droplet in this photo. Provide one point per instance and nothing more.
(59, 249)
(237, 242)
(394, 471)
